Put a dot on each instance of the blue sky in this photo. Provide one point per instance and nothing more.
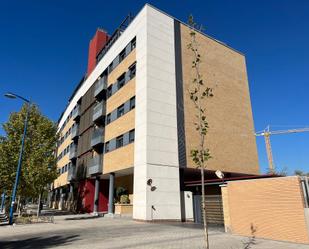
(44, 46)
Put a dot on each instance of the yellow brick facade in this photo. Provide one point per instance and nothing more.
(231, 138)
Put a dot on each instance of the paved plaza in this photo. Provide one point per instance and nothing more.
(83, 231)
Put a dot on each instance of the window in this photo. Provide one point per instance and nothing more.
(132, 103)
(66, 168)
(131, 136)
(122, 55)
(133, 43)
(132, 70)
(119, 141)
(121, 81)
(109, 91)
(110, 67)
(108, 118)
(106, 147)
(120, 111)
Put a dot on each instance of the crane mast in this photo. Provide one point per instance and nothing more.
(266, 133)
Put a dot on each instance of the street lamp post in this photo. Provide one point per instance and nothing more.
(14, 96)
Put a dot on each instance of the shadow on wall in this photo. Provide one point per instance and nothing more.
(82, 191)
(39, 242)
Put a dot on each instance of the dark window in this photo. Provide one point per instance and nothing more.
(109, 91)
(106, 147)
(122, 55)
(132, 71)
(108, 118)
(121, 81)
(132, 103)
(119, 141)
(120, 111)
(66, 168)
(133, 43)
(110, 67)
(131, 136)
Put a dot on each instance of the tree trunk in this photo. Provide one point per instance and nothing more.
(18, 205)
(204, 210)
(39, 205)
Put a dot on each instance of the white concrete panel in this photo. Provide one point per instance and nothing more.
(158, 103)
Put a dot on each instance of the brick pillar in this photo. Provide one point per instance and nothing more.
(226, 209)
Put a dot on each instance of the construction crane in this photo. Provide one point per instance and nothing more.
(266, 133)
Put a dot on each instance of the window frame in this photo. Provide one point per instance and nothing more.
(132, 103)
(106, 147)
(132, 72)
(108, 119)
(133, 43)
(120, 110)
(121, 81)
(131, 139)
(119, 141)
(122, 55)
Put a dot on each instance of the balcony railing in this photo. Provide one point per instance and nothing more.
(100, 85)
(73, 152)
(97, 137)
(74, 132)
(71, 173)
(98, 111)
(95, 165)
(76, 112)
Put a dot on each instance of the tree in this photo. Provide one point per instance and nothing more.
(199, 93)
(39, 162)
(301, 173)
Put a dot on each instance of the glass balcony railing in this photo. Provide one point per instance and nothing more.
(98, 111)
(100, 85)
(95, 165)
(71, 173)
(97, 137)
(73, 152)
(76, 112)
(74, 132)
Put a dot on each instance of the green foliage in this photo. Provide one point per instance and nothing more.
(300, 173)
(120, 191)
(39, 162)
(198, 93)
(124, 199)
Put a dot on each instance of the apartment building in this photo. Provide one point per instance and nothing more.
(129, 122)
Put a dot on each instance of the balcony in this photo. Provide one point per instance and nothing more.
(71, 173)
(74, 133)
(98, 111)
(100, 85)
(73, 152)
(95, 165)
(76, 112)
(97, 137)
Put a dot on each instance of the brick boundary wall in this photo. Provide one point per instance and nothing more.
(274, 207)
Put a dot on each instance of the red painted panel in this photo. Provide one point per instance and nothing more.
(96, 44)
(103, 196)
(86, 195)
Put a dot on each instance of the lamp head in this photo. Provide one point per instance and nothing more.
(10, 95)
(219, 174)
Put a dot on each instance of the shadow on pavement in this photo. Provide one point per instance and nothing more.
(38, 242)
(83, 218)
